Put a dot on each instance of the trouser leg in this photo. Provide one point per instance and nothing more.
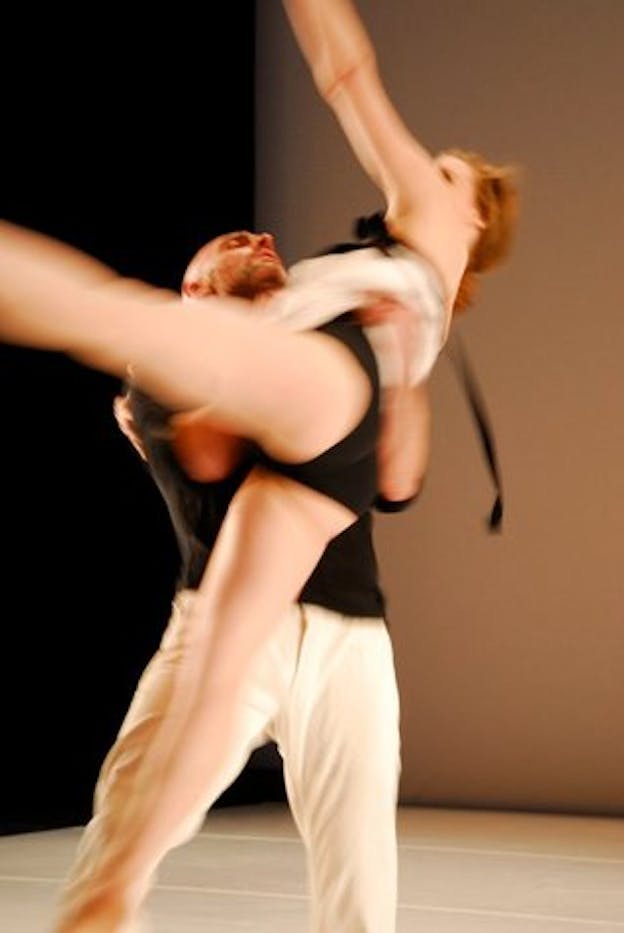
(86, 890)
(341, 763)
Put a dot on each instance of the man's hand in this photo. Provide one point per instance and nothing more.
(206, 453)
(125, 422)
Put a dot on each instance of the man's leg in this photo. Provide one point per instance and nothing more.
(86, 883)
(274, 533)
(341, 760)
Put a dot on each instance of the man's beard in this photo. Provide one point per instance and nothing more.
(256, 281)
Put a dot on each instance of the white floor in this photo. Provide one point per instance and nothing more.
(460, 872)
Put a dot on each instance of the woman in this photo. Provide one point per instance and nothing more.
(454, 211)
(308, 399)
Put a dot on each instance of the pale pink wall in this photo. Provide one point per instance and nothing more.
(510, 649)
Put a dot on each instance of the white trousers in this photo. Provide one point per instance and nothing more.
(324, 689)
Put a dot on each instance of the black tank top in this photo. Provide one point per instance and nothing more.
(347, 471)
(345, 580)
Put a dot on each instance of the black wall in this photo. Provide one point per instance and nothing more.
(135, 142)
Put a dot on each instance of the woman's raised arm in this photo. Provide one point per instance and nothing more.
(343, 63)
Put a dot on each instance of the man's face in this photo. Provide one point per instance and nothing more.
(242, 263)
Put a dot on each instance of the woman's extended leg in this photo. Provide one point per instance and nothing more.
(294, 394)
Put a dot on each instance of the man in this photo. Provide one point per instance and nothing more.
(324, 688)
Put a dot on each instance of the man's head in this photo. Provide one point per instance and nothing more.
(243, 264)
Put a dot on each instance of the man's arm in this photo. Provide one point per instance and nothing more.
(405, 442)
(205, 453)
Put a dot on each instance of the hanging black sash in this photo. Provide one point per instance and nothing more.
(470, 385)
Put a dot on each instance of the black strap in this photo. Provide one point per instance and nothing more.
(381, 504)
(368, 231)
(372, 230)
(477, 405)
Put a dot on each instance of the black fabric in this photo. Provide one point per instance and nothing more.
(369, 230)
(372, 229)
(347, 472)
(346, 578)
(393, 505)
(479, 413)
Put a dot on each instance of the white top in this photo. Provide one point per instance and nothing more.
(324, 287)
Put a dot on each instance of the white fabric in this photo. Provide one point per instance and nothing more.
(322, 288)
(324, 689)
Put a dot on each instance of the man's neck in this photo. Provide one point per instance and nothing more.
(264, 297)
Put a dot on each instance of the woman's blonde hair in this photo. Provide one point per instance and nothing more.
(497, 202)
